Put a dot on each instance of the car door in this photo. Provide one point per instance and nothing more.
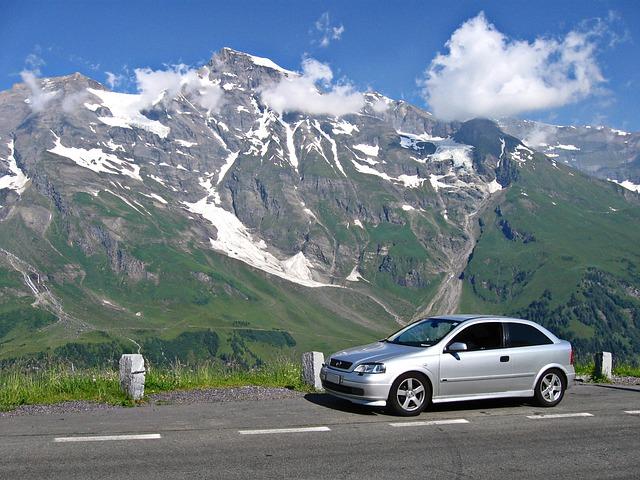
(481, 369)
(527, 349)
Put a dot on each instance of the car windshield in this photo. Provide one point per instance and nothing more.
(424, 333)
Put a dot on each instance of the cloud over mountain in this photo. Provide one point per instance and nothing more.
(302, 94)
(486, 74)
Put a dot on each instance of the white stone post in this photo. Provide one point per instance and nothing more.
(311, 365)
(604, 365)
(132, 374)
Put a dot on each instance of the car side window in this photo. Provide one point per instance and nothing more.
(481, 336)
(522, 335)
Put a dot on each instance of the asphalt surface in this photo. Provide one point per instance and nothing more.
(241, 440)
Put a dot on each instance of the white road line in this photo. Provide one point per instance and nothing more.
(560, 415)
(429, 422)
(284, 430)
(632, 412)
(106, 438)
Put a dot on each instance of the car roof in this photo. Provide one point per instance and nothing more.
(463, 317)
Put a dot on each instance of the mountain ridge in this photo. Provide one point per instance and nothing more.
(198, 199)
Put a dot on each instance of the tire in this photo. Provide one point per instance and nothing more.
(550, 388)
(409, 394)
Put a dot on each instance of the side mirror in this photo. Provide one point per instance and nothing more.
(457, 347)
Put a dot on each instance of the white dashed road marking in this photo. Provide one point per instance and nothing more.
(429, 422)
(560, 415)
(632, 412)
(284, 430)
(106, 438)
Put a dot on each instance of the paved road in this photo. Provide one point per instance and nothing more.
(507, 439)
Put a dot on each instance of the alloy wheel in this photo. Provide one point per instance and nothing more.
(551, 387)
(410, 394)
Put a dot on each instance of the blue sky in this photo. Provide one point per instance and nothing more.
(384, 46)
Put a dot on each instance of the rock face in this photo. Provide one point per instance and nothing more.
(205, 207)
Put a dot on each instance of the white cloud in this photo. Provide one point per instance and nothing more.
(114, 79)
(74, 100)
(33, 63)
(303, 93)
(486, 74)
(161, 86)
(328, 32)
(38, 99)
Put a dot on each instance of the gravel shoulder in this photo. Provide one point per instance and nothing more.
(179, 397)
(188, 397)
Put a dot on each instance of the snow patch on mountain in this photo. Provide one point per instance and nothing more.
(629, 185)
(494, 186)
(17, 180)
(291, 146)
(230, 160)
(409, 181)
(185, 143)
(371, 150)
(298, 267)
(97, 160)
(354, 276)
(564, 147)
(125, 112)
(343, 127)
(521, 154)
(437, 184)
(265, 62)
(334, 147)
(236, 241)
(458, 153)
(420, 137)
(155, 196)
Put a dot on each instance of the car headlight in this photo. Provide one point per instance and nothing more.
(370, 368)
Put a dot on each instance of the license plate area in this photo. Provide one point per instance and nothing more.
(334, 378)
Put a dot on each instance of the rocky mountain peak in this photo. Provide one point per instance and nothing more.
(249, 70)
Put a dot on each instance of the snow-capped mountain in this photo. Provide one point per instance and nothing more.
(600, 151)
(203, 205)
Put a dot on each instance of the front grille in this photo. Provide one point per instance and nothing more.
(341, 364)
(342, 388)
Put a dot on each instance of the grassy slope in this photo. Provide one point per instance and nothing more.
(580, 224)
(233, 298)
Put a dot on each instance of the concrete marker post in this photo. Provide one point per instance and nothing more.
(132, 375)
(311, 365)
(604, 365)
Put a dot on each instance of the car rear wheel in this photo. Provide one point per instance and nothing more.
(409, 394)
(550, 388)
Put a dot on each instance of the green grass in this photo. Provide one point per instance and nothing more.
(621, 370)
(626, 370)
(58, 383)
(281, 373)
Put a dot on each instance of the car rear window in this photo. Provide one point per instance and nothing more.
(523, 335)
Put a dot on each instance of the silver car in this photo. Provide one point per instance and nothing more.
(453, 358)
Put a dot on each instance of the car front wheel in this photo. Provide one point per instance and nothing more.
(550, 388)
(409, 394)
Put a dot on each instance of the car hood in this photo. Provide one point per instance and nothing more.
(375, 352)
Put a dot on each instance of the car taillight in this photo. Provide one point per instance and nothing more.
(571, 356)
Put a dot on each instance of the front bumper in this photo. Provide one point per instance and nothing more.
(365, 389)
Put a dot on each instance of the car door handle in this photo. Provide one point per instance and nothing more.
(504, 358)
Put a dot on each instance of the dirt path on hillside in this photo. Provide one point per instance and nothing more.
(447, 299)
